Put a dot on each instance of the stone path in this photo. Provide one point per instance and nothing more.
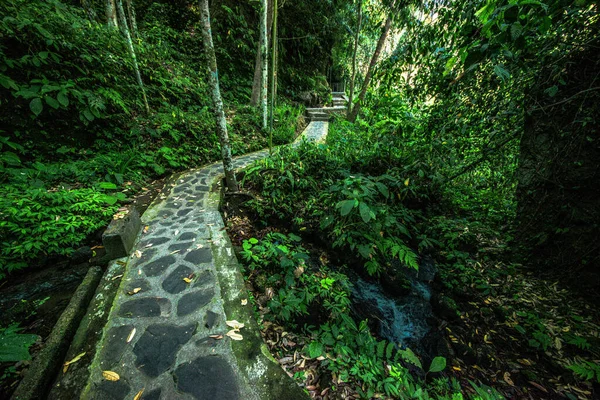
(166, 332)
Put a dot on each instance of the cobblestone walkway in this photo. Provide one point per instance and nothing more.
(166, 335)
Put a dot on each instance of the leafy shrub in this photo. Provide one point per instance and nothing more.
(36, 221)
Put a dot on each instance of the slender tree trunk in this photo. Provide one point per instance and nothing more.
(125, 30)
(264, 63)
(257, 82)
(132, 19)
(111, 14)
(356, 39)
(89, 9)
(384, 33)
(273, 72)
(213, 83)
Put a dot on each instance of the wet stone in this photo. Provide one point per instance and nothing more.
(202, 188)
(211, 319)
(208, 342)
(194, 301)
(205, 278)
(158, 266)
(144, 307)
(142, 284)
(166, 223)
(164, 214)
(154, 241)
(181, 246)
(147, 255)
(183, 213)
(194, 181)
(153, 395)
(199, 256)
(117, 343)
(187, 236)
(157, 348)
(217, 377)
(111, 390)
(175, 283)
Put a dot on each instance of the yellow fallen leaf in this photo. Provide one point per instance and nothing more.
(456, 368)
(131, 335)
(117, 277)
(74, 360)
(138, 396)
(244, 302)
(234, 335)
(111, 376)
(134, 291)
(234, 324)
(406, 182)
(187, 280)
(217, 337)
(138, 254)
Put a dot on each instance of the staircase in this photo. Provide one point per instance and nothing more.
(340, 102)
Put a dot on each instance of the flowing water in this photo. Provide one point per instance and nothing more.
(402, 320)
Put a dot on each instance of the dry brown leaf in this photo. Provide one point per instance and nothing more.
(234, 324)
(117, 277)
(234, 335)
(217, 337)
(111, 376)
(244, 302)
(507, 379)
(134, 291)
(138, 254)
(131, 335)
(138, 396)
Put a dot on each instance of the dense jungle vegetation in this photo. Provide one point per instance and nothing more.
(471, 140)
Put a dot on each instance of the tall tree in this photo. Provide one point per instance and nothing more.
(257, 81)
(264, 62)
(273, 72)
(384, 34)
(111, 14)
(125, 30)
(356, 40)
(213, 82)
(132, 19)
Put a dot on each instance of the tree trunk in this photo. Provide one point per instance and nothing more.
(132, 19)
(386, 30)
(125, 30)
(264, 62)
(256, 82)
(273, 72)
(213, 83)
(111, 14)
(356, 39)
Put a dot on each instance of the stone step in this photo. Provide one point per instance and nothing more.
(338, 94)
(314, 114)
(326, 109)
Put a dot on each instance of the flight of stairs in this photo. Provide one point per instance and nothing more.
(340, 102)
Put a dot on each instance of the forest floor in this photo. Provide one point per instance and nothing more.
(503, 326)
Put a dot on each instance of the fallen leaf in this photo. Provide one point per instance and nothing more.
(537, 385)
(507, 379)
(187, 280)
(122, 263)
(146, 229)
(134, 291)
(117, 277)
(131, 335)
(406, 182)
(97, 247)
(74, 360)
(138, 254)
(176, 232)
(234, 335)
(244, 302)
(234, 324)
(217, 337)
(110, 376)
(138, 396)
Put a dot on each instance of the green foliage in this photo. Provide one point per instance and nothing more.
(589, 371)
(15, 346)
(36, 221)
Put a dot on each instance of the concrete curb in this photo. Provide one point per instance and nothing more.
(48, 362)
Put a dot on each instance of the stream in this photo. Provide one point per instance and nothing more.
(401, 320)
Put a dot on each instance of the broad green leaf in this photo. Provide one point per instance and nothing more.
(502, 72)
(15, 346)
(365, 212)
(346, 206)
(63, 99)
(383, 189)
(410, 357)
(314, 350)
(52, 102)
(438, 364)
(10, 158)
(107, 185)
(88, 115)
(36, 106)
